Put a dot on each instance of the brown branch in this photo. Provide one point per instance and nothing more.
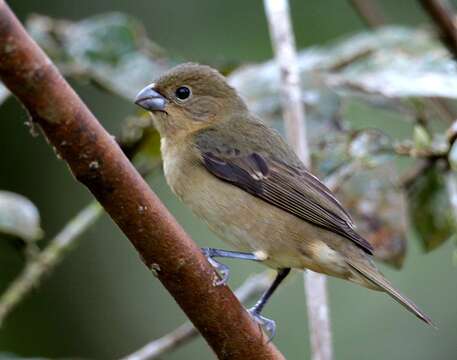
(369, 12)
(250, 289)
(283, 42)
(96, 161)
(444, 18)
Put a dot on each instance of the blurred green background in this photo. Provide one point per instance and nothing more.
(103, 303)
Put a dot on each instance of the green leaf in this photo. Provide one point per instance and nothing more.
(111, 49)
(19, 217)
(429, 209)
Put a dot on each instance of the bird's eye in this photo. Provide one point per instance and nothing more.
(182, 93)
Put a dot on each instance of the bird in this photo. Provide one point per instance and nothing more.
(241, 177)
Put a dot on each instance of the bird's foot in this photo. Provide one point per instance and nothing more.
(267, 325)
(222, 269)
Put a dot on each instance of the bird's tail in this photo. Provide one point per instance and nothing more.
(375, 277)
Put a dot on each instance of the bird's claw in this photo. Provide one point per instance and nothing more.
(222, 269)
(268, 325)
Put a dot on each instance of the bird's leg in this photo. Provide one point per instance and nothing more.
(224, 270)
(267, 324)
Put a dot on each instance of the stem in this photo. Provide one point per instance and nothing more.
(98, 163)
(47, 259)
(283, 42)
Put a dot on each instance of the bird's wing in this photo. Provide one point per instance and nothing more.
(289, 187)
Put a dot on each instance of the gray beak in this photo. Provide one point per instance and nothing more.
(150, 99)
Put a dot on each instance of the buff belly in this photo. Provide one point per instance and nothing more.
(250, 224)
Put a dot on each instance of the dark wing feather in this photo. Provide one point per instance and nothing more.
(292, 189)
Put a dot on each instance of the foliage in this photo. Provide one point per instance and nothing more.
(430, 209)
(403, 70)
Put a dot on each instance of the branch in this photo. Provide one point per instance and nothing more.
(444, 18)
(97, 162)
(283, 43)
(47, 259)
(369, 12)
(250, 289)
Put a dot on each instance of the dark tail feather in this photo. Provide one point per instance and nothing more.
(377, 279)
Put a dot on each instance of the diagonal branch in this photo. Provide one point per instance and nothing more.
(250, 289)
(97, 162)
(283, 42)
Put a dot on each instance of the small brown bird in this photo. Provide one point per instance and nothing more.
(241, 177)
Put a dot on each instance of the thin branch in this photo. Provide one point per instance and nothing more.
(283, 42)
(443, 15)
(369, 12)
(43, 262)
(47, 259)
(97, 162)
(250, 289)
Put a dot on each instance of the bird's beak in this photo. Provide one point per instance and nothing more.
(150, 99)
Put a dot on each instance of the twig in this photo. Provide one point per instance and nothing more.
(250, 289)
(283, 43)
(369, 12)
(97, 162)
(47, 259)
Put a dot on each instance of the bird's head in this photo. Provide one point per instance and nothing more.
(189, 97)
